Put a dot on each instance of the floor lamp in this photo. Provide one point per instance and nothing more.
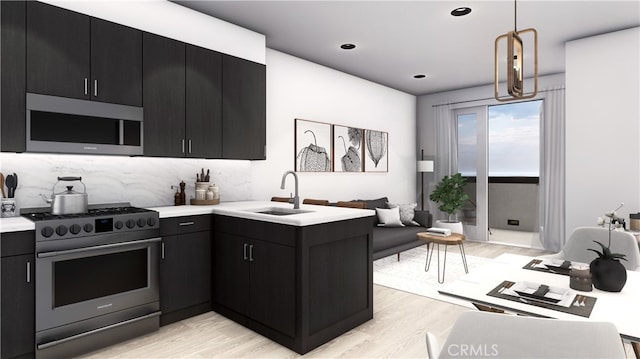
(423, 166)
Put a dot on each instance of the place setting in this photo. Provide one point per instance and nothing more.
(549, 297)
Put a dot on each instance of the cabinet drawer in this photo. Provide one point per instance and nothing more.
(186, 224)
(17, 243)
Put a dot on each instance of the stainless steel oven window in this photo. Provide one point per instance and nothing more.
(71, 286)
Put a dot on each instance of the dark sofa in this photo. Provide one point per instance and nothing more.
(393, 240)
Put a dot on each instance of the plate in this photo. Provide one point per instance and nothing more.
(555, 295)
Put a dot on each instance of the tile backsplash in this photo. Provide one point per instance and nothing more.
(142, 181)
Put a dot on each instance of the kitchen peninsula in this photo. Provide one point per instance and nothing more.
(299, 279)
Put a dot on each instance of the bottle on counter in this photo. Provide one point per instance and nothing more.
(183, 196)
(176, 197)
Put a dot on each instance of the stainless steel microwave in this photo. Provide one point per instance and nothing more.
(65, 125)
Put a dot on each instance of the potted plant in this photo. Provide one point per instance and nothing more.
(449, 193)
(607, 273)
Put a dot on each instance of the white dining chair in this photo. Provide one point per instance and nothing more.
(483, 334)
(582, 238)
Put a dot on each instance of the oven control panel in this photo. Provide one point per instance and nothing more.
(65, 228)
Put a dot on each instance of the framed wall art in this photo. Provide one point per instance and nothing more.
(312, 146)
(376, 158)
(348, 145)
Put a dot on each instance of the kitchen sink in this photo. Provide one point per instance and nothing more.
(278, 211)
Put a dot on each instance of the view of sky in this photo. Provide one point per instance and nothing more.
(514, 140)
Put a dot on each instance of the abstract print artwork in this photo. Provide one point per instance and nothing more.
(313, 146)
(376, 157)
(348, 145)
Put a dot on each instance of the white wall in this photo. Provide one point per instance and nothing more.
(603, 126)
(300, 89)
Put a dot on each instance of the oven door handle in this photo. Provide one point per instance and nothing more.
(97, 248)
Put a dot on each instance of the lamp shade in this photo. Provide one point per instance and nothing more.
(425, 166)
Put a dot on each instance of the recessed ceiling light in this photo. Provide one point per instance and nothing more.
(347, 46)
(461, 11)
(419, 76)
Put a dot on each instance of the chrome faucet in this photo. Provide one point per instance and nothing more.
(296, 198)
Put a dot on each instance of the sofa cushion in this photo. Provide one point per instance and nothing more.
(386, 237)
(407, 212)
(389, 217)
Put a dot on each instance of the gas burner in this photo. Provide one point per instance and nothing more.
(98, 220)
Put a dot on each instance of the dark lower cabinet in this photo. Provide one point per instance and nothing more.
(299, 286)
(18, 295)
(257, 279)
(185, 267)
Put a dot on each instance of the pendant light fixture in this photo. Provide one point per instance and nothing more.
(515, 63)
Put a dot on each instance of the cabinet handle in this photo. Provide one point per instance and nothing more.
(162, 250)
(189, 145)
(86, 86)
(183, 145)
(251, 253)
(95, 88)
(28, 272)
(186, 224)
(245, 251)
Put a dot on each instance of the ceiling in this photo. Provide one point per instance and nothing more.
(399, 39)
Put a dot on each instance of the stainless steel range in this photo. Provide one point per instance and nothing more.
(96, 278)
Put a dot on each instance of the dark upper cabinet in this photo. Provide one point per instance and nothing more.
(164, 96)
(203, 102)
(12, 78)
(243, 109)
(116, 63)
(58, 49)
(74, 55)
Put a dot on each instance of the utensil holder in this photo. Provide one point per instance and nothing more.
(8, 208)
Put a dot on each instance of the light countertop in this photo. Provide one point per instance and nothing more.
(16, 224)
(244, 209)
(248, 209)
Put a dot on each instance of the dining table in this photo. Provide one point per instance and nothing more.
(537, 286)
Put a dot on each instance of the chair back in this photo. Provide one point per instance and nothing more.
(513, 336)
(350, 204)
(317, 202)
(582, 239)
(280, 199)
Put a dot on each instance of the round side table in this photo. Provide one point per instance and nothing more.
(453, 239)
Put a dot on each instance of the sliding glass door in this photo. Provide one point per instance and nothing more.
(498, 154)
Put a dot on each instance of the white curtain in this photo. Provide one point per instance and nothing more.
(446, 160)
(552, 171)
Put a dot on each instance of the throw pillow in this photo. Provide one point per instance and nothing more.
(389, 217)
(407, 213)
(375, 203)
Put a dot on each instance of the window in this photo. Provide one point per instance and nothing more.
(514, 139)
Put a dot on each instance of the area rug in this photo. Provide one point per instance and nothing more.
(408, 274)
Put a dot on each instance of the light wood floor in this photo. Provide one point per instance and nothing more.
(397, 330)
